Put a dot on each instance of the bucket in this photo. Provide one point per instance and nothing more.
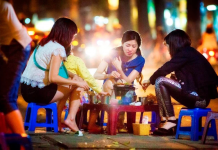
(141, 129)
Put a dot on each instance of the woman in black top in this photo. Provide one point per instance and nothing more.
(195, 81)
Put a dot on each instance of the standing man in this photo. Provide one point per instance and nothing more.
(14, 53)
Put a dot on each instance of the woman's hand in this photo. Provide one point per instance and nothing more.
(114, 74)
(117, 63)
(77, 78)
(145, 84)
(82, 84)
(102, 94)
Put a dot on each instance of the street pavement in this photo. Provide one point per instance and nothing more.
(43, 140)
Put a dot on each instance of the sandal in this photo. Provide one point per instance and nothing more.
(64, 131)
(79, 133)
(166, 132)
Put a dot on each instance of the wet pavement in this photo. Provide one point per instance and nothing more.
(43, 140)
(58, 141)
(120, 141)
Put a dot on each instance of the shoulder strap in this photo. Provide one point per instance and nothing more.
(35, 62)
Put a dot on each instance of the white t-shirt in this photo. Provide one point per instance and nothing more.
(34, 76)
(10, 26)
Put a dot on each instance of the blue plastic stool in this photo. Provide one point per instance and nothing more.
(196, 129)
(51, 117)
(14, 141)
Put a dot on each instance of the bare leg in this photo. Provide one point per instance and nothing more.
(61, 97)
(92, 127)
(60, 105)
(73, 108)
(15, 122)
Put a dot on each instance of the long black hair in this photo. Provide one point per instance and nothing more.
(133, 35)
(62, 32)
(177, 40)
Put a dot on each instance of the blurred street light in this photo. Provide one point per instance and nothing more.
(211, 7)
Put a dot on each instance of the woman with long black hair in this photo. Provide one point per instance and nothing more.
(46, 86)
(195, 81)
(124, 63)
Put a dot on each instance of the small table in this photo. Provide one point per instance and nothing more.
(113, 112)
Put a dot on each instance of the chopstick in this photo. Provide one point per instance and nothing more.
(120, 79)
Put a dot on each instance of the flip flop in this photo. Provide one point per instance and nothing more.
(64, 131)
(79, 133)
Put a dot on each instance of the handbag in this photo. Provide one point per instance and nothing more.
(62, 70)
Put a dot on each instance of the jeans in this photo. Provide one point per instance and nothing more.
(10, 75)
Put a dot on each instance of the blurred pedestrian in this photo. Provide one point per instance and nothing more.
(41, 82)
(159, 55)
(147, 44)
(208, 40)
(14, 53)
(194, 85)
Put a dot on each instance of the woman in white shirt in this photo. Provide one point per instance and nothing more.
(46, 87)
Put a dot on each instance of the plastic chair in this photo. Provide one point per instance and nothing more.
(211, 116)
(196, 128)
(51, 117)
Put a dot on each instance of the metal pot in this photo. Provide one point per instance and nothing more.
(145, 101)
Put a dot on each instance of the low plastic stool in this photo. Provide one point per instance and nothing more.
(211, 116)
(51, 117)
(196, 129)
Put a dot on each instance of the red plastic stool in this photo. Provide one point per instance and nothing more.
(211, 116)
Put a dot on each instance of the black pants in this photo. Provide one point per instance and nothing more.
(10, 74)
(165, 88)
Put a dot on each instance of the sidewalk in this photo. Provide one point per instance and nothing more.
(53, 141)
(42, 140)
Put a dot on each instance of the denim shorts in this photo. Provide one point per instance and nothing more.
(10, 75)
